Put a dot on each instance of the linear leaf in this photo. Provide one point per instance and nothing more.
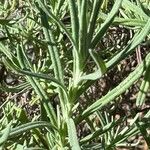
(37, 87)
(57, 21)
(101, 131)
(134, 8)
(138, 38)
(29, 126)
(143, 88)
(124, 21)
(100, 64)
(106, 24)
(99, 61)
(74, 20)
(119, 89)
(92, 76)
(95, 11)
(54, 56)
(21, 86)
(143, 131)
(73, 135)
(5, 51)
(83, 30)
(29, 73)
(5, 134)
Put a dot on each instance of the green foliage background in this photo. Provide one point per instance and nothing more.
(53, 53)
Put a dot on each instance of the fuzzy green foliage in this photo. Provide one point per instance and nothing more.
(47, 45)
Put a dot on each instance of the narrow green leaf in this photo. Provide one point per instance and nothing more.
(5, 51)
(25, 63)
(29, 126)
(129, 22)
(5, 134)
(74, 20)
(143, 131)
(92, 23)
(125, 133)
(83, 31)
(57, 21)
(37, 87)
(10, 64)
(126, 83)
(138, 38)
(32, 74)
(20, 57)
(43, 76)
(134, 8)
(143, 88)
(15, 89)
(92, 76)
(54, 54)
(59, 6)
(106, 24)
(100, 131)
(147, 115)
(73, 135)
(144, 8)
(100, 64)
(99, 61)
